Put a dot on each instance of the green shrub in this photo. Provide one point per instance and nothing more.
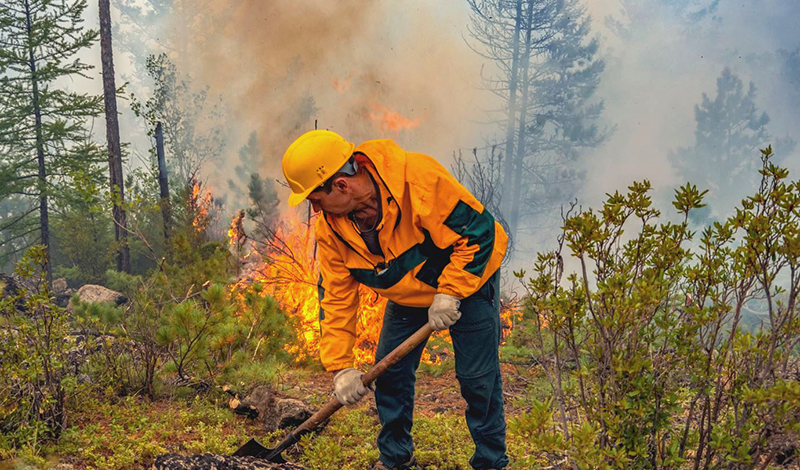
(644, 345)
(37, 376)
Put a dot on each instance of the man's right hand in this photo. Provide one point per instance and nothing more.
(348, 387)
(443, 312)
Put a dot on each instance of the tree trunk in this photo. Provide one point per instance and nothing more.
(37, 113)
(112, 135)
(512, 116)
(163, 181)
(519, 157)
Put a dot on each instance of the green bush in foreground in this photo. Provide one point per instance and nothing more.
(37, 375)
(644, 348)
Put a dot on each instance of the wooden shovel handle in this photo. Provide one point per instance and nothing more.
(333, 405)
(397, 353)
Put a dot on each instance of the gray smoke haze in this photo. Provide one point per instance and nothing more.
(654, 80)
(358, 60)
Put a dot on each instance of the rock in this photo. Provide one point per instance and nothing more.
(8, 286)
(64, 466)
(62, 298)
(93, 294)
(59, 285)
(217, 462)
(259, 404)
(12, 285)
(16, 286)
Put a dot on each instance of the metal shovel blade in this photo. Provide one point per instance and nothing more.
(253, 448)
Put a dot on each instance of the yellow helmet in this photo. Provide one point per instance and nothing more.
(311, 159)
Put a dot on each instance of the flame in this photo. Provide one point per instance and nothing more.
(289, 273)
(341, 85)
(391, 120)
(236, 232)
(199, 205)
(510, 314)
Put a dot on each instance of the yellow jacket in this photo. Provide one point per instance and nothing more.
(435, 235)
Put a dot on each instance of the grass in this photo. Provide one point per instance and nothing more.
(442, 442)
(108, 432)
(130, 432)
(348, 443)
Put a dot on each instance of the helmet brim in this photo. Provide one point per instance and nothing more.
(296, 198)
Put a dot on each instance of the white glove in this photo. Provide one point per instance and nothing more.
(348, 387)
(443, 311)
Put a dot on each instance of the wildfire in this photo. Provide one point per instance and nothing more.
(236, 233)
(289, 273)
(199, 205)
(391, 120)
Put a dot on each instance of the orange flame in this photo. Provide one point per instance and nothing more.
(391, 120)
(199, 206)
(290, 275)
(236, 231)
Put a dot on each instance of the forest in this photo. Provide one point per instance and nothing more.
(159, 299)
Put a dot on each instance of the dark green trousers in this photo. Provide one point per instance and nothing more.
(476, 339)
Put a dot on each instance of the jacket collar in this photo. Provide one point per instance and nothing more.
(389, 162)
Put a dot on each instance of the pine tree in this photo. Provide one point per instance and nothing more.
(729, 132)
(790, 71)
(263, 210)
(112, 135)
(547, 74)
(560, 114)
(185, 113)
(39, 122)
(249, 162)
(83, 236)
(638, 16)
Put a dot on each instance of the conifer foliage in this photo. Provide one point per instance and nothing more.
(546, 71)
(41, 122)
(729, 131)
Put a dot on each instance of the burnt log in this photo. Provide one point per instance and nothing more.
(273, 410)
(217, 462)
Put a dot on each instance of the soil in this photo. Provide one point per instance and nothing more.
(434, 394)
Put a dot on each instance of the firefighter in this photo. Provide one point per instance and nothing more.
(400, 224)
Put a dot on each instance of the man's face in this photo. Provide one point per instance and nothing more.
(338, 202)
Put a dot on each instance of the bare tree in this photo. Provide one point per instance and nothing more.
(112, 135)
(545, 74)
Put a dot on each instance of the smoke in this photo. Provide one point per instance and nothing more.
(363, 69)
(655, 77)
(279, 66)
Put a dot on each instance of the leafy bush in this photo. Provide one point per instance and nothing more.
(37, 373)
(649, 328)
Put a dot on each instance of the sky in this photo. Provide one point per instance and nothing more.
(362, 62)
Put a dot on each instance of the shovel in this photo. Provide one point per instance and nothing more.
(256, 449)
